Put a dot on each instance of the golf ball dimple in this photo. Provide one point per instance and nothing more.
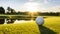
(40, 20)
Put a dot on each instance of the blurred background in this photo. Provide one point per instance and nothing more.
(12, 10)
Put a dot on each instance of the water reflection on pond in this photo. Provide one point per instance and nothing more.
(2, 21)
(14, 21)
(22, 21)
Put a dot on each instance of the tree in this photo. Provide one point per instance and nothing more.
(10, 10)
(2, 10)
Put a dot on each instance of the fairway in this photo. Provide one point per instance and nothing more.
(22, 28)
(50, 26)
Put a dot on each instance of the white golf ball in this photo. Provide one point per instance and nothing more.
(40, 20)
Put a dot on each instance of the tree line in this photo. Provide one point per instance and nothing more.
(12, 11)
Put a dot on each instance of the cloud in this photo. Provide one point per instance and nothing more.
(46, 1)
(51, 9)
(55, 9)
(31, 6)
(31, 0)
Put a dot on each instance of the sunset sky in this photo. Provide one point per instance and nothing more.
(32, 5)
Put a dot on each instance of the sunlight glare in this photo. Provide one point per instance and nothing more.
(32, 6)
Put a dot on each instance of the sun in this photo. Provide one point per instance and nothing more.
(31, 6)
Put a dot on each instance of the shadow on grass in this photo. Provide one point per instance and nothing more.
(45, 30)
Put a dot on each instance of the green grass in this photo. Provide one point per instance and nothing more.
(23, 28)
(50, 26)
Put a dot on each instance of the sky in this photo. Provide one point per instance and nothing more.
(31, 5)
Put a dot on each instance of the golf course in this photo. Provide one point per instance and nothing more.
(29, 16)
(51, 26)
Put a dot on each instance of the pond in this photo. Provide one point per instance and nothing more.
(14, 21)
(4, 20)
